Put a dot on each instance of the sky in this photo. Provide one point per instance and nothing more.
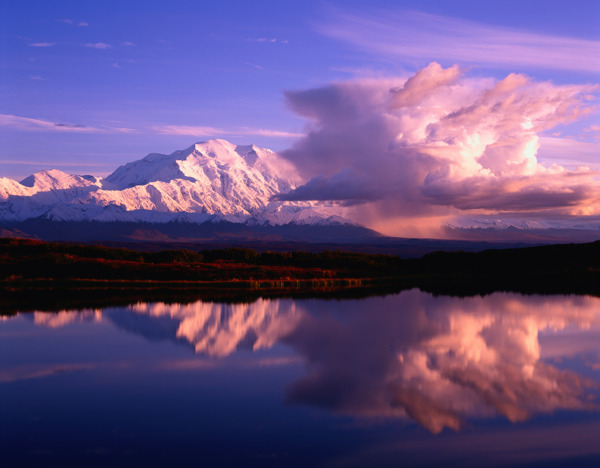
(433, 110)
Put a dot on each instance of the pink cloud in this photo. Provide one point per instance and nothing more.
(439, 139)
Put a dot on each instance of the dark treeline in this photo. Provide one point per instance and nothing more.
(569, 268)
(34, 259)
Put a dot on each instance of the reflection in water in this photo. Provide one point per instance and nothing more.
(64, 317)
(437, 360)
(219, 329)
(440, 360)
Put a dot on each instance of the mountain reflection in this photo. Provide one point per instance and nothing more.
(437, 360)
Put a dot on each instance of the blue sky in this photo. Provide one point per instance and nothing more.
(88, 86)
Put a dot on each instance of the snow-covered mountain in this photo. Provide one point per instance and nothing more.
(211, 181)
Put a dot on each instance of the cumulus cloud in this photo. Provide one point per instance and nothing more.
(439, 139)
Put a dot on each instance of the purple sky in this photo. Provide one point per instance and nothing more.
(86, 87)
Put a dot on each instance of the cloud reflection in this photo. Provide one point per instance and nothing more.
(440, 360)
(437, 360)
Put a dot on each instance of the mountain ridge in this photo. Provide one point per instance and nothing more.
(215, 178)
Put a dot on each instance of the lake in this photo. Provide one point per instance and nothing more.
(405, 379)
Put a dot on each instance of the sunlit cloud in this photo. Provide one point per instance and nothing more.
(98, 45)
(439, 142)
(37, 78)
(42, 44)
(593, 128)
(128, 44)
(415, 35)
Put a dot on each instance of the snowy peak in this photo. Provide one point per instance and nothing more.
(54, 179)
(45, 181)
(155, 167)
(204, 162)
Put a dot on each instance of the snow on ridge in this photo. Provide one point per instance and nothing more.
(211, 180)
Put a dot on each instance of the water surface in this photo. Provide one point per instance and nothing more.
(409, 378)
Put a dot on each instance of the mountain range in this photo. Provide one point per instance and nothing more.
(211, 189)
(210, 192)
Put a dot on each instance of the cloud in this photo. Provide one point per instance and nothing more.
(37, 78)
(42, 44)
(35, 125)
(128, 44)
(439, 139)
(270, 40)
(98, 45)
(201, 131)
(190, 130)
(258, 67)
(415, 35)
(71, 22)
(267, 132)
(568, 150)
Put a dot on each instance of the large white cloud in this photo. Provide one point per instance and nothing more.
(440, 140)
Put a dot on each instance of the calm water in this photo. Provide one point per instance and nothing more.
(408, 379)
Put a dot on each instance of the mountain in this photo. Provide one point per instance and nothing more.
(213, 188)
